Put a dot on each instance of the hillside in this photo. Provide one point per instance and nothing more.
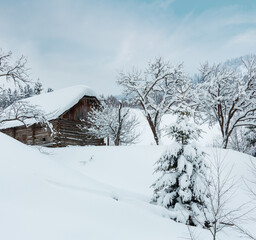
(208, 136)
(89, 193)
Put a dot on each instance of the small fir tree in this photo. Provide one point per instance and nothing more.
(182, 186)
(38, 88)
(4, 100)
(49, 90)
(28, 91)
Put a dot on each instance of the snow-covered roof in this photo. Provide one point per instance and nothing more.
(53, 104)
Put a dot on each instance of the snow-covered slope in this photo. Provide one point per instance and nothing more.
(208, 136)
(87, 193)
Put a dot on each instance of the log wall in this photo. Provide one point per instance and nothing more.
(66, 128)
(81, 109)
(69, 133)
(66, 133)
(32, 135)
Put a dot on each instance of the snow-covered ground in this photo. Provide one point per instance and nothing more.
(95, 193)
(208, 136)
(89, 193)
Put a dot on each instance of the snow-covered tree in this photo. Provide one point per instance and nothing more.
(28, 91)
(38, 88)
(112, 100)
(228, 97)
(153, 90)
(250, 141)
(17, 73)
(236, 140)
(49, 90)
(9, 96)
(23, 111)
(4, 99)
(182, 185)
(117, 124)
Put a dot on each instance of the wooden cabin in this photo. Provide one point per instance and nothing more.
(64, 109)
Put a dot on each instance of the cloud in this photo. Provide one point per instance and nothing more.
(245, 38)
(73, 42)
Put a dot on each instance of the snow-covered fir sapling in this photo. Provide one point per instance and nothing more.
(182, 186)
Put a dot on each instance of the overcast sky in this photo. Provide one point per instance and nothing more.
(70, 42)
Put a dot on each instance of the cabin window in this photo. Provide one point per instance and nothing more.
(43, 139)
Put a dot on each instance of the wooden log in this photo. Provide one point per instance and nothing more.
(66, 128)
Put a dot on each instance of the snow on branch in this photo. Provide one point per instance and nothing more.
(13, 71)
(25, 113)
(153, 89)
(116, 123)
(227, 97)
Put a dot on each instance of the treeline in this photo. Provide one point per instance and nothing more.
(9, 96)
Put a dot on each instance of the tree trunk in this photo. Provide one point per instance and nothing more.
(225, 142)
(226, 138)
(117, 140)
(153, 129)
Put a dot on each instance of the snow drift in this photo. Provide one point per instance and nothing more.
(88, 193)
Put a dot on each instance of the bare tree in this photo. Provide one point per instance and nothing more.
(244, 233)
(249, 140)
(251, 187)
(17, 72)
(153, 90)
(228, 97)
(253, 181)
(236, 141)
(221, 190)
(116, 123)
(24, 112)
